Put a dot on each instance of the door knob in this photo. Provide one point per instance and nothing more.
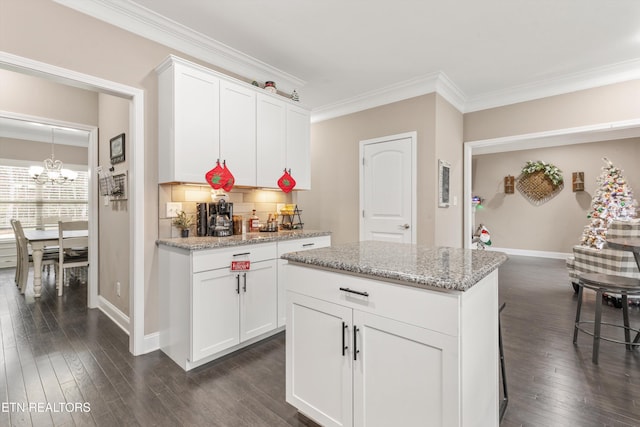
(406, 226)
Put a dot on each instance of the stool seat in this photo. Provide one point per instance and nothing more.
(601, 283)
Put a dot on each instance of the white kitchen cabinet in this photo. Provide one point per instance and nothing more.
(299, 146)
(238, 131)
(283, 142)
(364, 352)
(216, 304)
(271, 128)
(207, 310)
(205, 115)
(284, 247)
(259, 300)
(188, 123)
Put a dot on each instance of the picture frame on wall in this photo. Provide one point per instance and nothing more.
(444, 176)
(117, 149)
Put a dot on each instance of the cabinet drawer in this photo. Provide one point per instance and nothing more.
(434, 310)
(303, 244)
(221, 258)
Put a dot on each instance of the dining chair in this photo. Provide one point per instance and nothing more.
(74, 250)
(24, 258)
(51, 221)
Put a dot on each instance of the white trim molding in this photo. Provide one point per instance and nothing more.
(136, 174)
(141, 21)
(114, 313)
(531, 253)
(435, 82)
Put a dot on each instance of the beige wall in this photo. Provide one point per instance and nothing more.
(20, 149)
(333, 203)
(587, 107)
(557, 225)
(113, 219)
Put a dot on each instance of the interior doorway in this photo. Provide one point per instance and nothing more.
(136, 176)
(388, 188)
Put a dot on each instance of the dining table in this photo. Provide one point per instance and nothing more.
(40, 239)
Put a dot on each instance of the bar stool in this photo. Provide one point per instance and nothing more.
(601, 283)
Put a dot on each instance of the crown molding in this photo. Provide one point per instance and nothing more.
(145, 23)
(434, 82)
(588, 79)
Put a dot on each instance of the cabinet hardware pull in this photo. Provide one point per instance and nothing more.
(244, 253)
(238, 284)
(308, 244)
(244, 287)
(344, 346)
(364, 294)
(355, 342)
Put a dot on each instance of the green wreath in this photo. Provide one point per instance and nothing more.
(554, 174)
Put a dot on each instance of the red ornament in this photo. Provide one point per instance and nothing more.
(286, 181)
(215, 176)
(228, 176)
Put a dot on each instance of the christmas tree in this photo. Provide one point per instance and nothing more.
(613, 201)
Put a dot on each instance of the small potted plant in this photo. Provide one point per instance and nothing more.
(183, 222)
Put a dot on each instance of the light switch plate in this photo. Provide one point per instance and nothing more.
(173, 208)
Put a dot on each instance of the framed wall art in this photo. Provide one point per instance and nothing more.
(444, 172)
(116, 149)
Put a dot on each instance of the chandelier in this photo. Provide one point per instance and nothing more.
(52, 172)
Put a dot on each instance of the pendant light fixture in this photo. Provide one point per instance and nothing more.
(52, 172)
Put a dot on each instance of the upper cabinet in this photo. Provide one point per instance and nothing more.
(205, 116)
(189, 123)
(283, 142)
(238, 131)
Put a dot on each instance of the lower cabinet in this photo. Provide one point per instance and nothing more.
(351, 368)
(232, 307)
(363, 352)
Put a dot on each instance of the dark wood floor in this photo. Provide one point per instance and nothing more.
(54, 350)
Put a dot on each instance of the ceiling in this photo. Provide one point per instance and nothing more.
(342, 56)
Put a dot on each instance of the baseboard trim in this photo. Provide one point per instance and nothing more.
(531, 253)
(114, 313)
(151, 342)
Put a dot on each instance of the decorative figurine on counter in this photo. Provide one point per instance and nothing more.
(481, 237)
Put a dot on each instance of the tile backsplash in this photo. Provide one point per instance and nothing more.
(244, 201)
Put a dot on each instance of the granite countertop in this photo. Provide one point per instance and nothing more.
(210, 242)
(414, 265)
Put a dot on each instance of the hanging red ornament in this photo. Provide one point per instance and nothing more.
(286, 181)
(215, 176)
(228, 177)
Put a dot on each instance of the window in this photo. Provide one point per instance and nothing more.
(23, 199)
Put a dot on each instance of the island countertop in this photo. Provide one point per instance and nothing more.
(211, 242)
(410, 264)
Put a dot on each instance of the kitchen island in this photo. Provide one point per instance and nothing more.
(219, 294)
(382, 334)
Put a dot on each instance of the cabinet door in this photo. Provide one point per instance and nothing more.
(298, 146)
(238, 131)
(259, 304)
(404, 375)
(215, 321)
(196, 134)
(271, 140)
(319, 382)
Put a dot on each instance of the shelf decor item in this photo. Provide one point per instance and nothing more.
(270, 87)
(183, 222)
(540, 182)
(509, 184)
(577, 180)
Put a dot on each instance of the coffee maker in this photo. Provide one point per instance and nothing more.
(220, 219)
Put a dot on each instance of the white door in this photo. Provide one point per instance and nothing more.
(259, 306)
(319, 360)
(404, 375)
(387, 189)
(216, 319)
(238, 131)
